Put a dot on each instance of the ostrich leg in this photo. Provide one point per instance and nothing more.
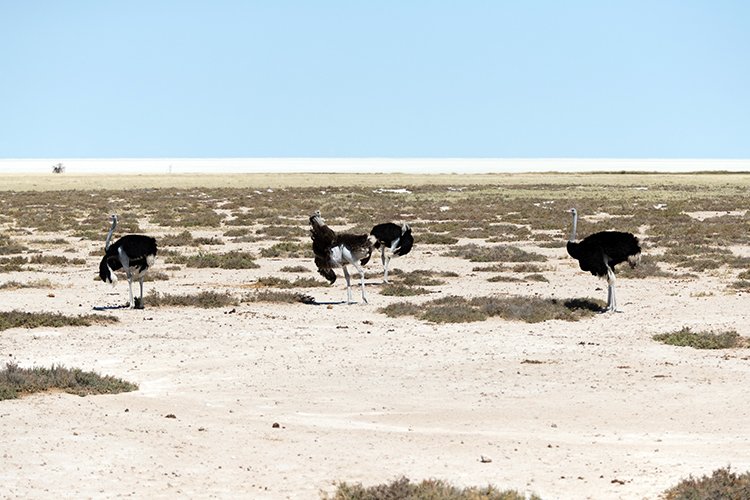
(348, 285)
(385, 265)
(361, 271)
(130, 289)
(611, 301)
(140, 301)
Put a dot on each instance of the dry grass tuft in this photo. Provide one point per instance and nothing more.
(205, 299)
(401, 290)
(229, 260)
(456, 309)
(274, 282)
(703, 340)
(9, 246)
(429, 489)
(10, 264)
(279, 297)
(295, 269)
(17, 285)
(20, 319)
(287, 249)
(722, 484)
(15, 382)
(498, 253)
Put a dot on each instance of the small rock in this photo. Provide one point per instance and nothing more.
(170, 415)
(275, 425)
(484, 460)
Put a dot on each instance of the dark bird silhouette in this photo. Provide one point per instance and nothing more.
(393, 241)
(133, 253)
(600, 252)
(338, 250)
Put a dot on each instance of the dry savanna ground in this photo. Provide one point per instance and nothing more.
(483, 362)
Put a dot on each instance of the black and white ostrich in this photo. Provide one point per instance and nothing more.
(333, 250)
(134, 253)
(393, 241)
(600, 252)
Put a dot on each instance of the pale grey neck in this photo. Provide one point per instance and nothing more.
(109, 236)
(575, 223)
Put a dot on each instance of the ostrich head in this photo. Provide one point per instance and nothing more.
(316, 219)
(105, 272)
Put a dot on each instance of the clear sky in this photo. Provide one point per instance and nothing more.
(387, 78)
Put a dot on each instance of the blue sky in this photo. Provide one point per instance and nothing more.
(630, 79)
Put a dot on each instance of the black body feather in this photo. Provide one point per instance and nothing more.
(324, 239)
(617, 246)
(388, 233)
(137, 247)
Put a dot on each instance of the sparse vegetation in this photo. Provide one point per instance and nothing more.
(685, 337)
(9, 264)
(429, 489)
(9, 246)
(274, 282)
(229, 260)
(16, 285)
(721, 484)
(497, 253)
(295, 269)
(400, 290)
(55, 260)
(21, 319)
(16, 382)
(281, 297)
(204, 299)
(457, 309)
(288, 249)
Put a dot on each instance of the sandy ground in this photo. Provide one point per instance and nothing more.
(589, 409)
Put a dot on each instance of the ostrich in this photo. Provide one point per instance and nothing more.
(393, 241)
(134, 253)
(600, 252)
(338, 250)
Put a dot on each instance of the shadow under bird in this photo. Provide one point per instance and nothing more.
(600, 252)
(133, 253)
(393, 240)
(334, 250)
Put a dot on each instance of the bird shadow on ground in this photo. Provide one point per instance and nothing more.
(313, 302)
(109, 308)
(138, 305)
(584, 304)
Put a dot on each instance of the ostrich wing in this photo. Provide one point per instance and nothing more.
(359, 244)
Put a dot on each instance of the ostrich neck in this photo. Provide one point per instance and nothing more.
(109, 236)
(575, 223)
